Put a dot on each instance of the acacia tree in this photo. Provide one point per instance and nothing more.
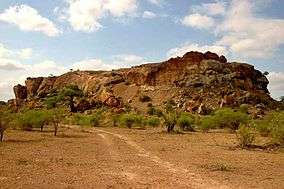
(57, 115)
(68, 94)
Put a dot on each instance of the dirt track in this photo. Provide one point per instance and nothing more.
(122, 158)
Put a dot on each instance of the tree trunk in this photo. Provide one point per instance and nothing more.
(1, 136)
(55, 128)
(41, 128)
(72, 107)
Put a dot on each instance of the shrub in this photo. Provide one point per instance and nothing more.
(129, 120)
(145, 98)
(244, 108)
(87, 120)
(170, 105)
(245, 136)
(153, 111)
(33, 119)
(153, 121)
(51, 102)
(115, 119)
(272, 125)
(228, 118)
(170, 121)
(207, 123)
(186, 121)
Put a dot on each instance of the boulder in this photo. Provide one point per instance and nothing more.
(20, 92)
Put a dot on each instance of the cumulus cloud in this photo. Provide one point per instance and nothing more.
(216, 8)
(239, 28)
(156, 2)
(13, 71)
(26, 53)
(149, 15)
(92, 64)
(198, 21)
(85, 15)
(249, 35)
(117, 61)
(276, 84)
(28, 19)
(276, 80)
(180, 51)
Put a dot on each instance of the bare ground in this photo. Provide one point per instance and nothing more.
(123, 158)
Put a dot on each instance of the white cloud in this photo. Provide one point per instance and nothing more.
(240, 29)
(149, 14)
(121, 7)
(198, 21)
(276, 84)
(248, 35)
(91, 64)
(216, 8)
(85, 15)
(118, 61)
(156, 2)
(7, 55)
(276, 80)
(28, 19)
(127, 60)
(26, 53)
(13, 71)
(180, 51)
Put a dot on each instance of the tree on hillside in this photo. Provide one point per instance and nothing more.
(68, 94)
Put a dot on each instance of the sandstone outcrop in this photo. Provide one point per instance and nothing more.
(196, 82)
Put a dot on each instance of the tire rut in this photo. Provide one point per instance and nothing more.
(183, 177)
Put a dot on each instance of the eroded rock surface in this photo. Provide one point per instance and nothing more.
(196, 82)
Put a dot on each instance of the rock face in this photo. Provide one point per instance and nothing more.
(20, 92)
(197, 82)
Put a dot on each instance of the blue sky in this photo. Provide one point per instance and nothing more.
(39, 38)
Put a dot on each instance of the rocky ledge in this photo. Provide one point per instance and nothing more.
(197, 81)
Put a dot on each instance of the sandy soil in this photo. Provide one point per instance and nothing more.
(123, 158)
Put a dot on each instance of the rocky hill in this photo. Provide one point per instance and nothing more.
(196, 82)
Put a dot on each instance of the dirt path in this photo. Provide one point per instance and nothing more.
(173, 176)
(130, 158)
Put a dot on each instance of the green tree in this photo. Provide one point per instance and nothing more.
(68, 94)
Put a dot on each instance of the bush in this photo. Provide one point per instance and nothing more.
(245, 136)
(154, 111)
(272, 125)
(207, 123)
(228, 118)
(170, 104)
(170, 121)
(153, 121)
(33, 119)
(87, 120)
(186, 121)
(145, 98)
(115, 119)
(244, 108)
(129, 120)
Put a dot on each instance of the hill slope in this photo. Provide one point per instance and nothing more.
(195, 82)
